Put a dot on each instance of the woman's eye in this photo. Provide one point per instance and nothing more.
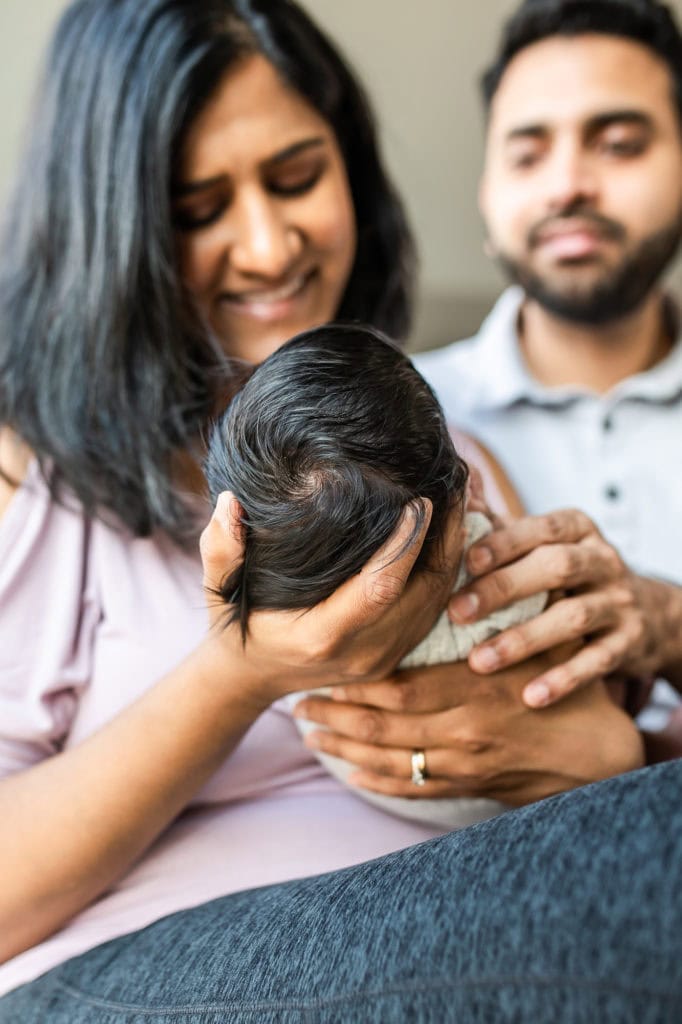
(295, 184)
(194, 218)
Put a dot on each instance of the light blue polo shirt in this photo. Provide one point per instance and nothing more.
(616, 456)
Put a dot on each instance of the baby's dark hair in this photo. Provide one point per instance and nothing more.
(329, 440)
(647, 22)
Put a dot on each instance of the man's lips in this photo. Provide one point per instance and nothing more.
(574, 239)
(571, 245)
(267, 303)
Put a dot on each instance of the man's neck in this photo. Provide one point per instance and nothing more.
(559, 353)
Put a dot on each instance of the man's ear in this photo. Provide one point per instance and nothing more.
(488, 245)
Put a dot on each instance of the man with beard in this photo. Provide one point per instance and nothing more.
(574, 381)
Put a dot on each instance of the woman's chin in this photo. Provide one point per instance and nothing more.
(260, 340)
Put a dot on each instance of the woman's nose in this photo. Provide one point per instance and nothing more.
(265, 242)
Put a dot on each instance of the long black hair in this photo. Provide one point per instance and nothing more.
(332, 436)
(105, 371)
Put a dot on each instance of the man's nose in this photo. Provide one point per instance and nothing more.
(265, 242)
(571, 178)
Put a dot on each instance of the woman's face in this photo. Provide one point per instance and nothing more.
(264, 214)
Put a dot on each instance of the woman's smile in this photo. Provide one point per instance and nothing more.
(264, 215)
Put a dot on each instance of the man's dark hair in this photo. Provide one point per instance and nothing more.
(329, 440)
(105, 368)
(644, 21)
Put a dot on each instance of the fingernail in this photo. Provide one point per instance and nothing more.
(337, 693)
(300, 711)
(312, 740)
(536, 694)
(479, 559)
(464, 607)
(486, 659)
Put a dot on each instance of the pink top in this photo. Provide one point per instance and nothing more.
(89, 619)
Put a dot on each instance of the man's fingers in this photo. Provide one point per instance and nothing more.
(593, 662)
(518, 538)
(388, 762)
(556, 567)
(371, 726)
(424, 689)
(572, 618)
(390, 786)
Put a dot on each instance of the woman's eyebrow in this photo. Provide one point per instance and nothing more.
(295, 149)
(190, 187)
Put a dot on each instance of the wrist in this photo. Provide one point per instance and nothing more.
(223, 667)
(667, 598)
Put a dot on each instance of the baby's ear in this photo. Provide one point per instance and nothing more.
(222, 541)
(234, 517)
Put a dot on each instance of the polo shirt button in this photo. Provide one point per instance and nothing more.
(607, 424)
(612, 492)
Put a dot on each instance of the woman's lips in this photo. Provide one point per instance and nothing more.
(268, 304)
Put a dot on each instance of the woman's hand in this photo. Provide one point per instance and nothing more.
(479, 738)
(360, 633)
(627, 622)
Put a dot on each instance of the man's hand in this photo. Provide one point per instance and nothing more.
(628, 623)
(478, 737)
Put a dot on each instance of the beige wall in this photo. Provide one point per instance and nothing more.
(420, 62)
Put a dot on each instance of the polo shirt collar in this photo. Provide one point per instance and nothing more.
(508, 380)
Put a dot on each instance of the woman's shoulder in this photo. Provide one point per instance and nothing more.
(15, 460)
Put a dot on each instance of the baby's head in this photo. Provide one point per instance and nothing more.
(327, 442)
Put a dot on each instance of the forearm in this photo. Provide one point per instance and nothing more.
(76, 822)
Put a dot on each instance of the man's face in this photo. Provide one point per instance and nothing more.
(582, 187)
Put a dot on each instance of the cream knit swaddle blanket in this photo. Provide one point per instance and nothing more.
(446, 642)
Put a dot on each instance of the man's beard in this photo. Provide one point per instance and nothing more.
(608, 298)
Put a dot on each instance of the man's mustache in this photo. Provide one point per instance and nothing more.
(606, 228)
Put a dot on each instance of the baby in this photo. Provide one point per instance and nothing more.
(324, 446)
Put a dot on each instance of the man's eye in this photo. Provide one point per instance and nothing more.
(623, 147)
(524, 159)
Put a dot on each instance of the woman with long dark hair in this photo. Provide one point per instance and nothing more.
(202, 182)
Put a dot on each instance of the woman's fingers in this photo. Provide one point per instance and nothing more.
(372, 620)
(365, 598)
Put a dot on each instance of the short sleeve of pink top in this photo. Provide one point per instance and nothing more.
(90, 618)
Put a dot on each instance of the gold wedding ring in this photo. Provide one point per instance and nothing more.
(418, 762)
